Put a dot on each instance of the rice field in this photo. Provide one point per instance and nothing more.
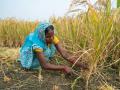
(93, 37)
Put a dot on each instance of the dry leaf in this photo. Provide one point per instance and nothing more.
(40, 77)
(6, 79)
(55, 87)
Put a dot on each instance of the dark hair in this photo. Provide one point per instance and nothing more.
(51, 27)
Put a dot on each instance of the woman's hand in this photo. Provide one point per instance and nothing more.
(84, 66)
(67, 69)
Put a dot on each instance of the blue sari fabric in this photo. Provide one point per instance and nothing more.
(35, 40)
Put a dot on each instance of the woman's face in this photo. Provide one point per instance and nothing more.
(49, 36)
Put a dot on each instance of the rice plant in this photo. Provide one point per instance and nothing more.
(92, 37)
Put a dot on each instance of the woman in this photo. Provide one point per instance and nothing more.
(40, 46)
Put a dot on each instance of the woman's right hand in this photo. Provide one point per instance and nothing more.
(67, 69)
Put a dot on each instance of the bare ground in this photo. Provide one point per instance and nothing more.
(13, 77)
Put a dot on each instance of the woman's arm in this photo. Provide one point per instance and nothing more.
(49, 66)
(68, 57)
(63, 52)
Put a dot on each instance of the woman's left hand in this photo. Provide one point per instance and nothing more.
(84, 66)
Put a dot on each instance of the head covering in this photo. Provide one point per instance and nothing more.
(40, 29)
(39, 32)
